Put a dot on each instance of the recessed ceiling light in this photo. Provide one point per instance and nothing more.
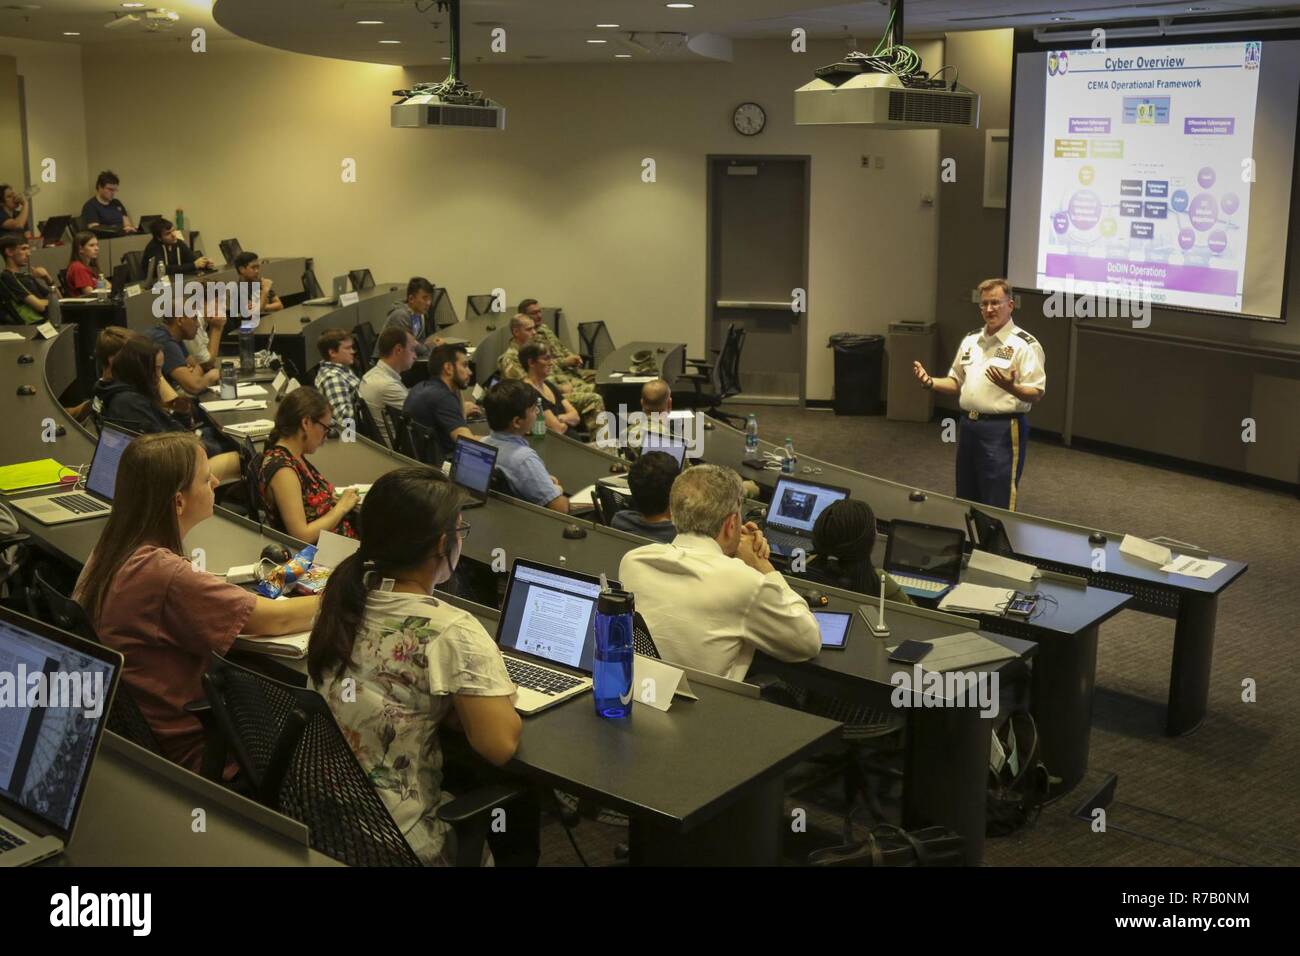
(680, 6)
(370, 23)
(623, 56)
(69, 33)
(606, 26)
(597, 41)
(390, 41)
(132, 5)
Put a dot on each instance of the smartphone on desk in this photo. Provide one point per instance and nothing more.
(910, 652)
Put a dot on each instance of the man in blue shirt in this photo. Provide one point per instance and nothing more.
(181, 368)
(103, 212)
(436, 403)
(511, 408)
(651, 479)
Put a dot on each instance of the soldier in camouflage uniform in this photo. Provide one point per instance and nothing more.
(567, 374)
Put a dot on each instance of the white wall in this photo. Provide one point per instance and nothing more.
(553, 207)
(56, 123)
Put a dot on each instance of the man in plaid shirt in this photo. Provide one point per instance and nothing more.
(335, 378)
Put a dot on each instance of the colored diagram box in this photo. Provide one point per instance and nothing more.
(1130, 208)
(1145, 110)
(1130, 187)
(1089, 124)
(1106, 148)
(1155, 210)
(1141, 230)
(1071, 149)
(1157, 188)
(1209, 125)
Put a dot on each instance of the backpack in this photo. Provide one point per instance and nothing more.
(1018, 780)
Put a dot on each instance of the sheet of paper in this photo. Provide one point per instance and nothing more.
(977, 598)
(10, 337)
(583, 497)
(654, 683)
(233, 404)
(332, 548)
(248, 391)
(1193, 567)
(637, 379)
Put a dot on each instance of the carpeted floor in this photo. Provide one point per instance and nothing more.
(1228, 793)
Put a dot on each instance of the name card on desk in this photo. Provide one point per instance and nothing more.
(132, 290)
(1005, 567)
(654, 682)
(46, 331)
(349, 298)
(1136, 547)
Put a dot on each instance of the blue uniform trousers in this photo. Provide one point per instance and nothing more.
(990, 457)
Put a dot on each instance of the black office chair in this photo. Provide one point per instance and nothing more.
(500, 483)
(134, 262)
(364, 339)
(62, 277)
(594, 342)
(229, 249)
(250, 466)
(124, 718)
(610, 502)
(298, 763)
(642, 642)
(398, 423)
(723, 378)
(366, 424)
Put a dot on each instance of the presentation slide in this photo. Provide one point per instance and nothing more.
(1143, 172)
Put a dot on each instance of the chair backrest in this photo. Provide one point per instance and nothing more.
(124, 719)
(489, 351)
(425, 442)
(611, 501)
(286, 741)
(134, 261)
(398, 428)
(500, 483)
(594, 342)
(642, 642)
(250, 464)
(229, 249)
(366, 424)
(364, 339)
(727, 371)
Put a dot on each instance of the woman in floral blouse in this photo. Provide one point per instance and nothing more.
(394, 662)
(298, 499)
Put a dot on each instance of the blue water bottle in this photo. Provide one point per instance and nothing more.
(751, 435)
(613, 671)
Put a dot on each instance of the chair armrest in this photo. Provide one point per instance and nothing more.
(476, 803)
(215, 750)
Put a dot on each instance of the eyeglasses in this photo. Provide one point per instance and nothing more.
(463, 530)
(993, 304)
(324, 425)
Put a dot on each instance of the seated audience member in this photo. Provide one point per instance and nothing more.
(167, 247)
(131, 399)
(249, 268)
(413, 316)
(651, 480)
(537, 361)
(16, 215)
(382, 385)
(107, 344)
(145, 598)
(335, 378)
(567, 371)
(842, 539)
(436, 402)
(299, 501)
(711, 597)
(103, 213)
(396, 663)
(656, 403)
(30, 292)
(182, 369)
(207, 336)
(511, 410)
(82, 275)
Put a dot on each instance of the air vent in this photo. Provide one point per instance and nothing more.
(909, 106)
(466, 117)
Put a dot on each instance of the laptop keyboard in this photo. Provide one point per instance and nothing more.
(784, 542)
(10, 841)
(541, 679)
(919, 584)
(79, 504)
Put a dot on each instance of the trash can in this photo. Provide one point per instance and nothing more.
(859, 371)
(911, 342)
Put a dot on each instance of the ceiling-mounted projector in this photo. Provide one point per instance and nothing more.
(884, 101)
(885, 89)
(449, 103)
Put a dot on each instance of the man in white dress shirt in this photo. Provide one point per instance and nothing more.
(382, 385)
(711, 597)
(999, 372)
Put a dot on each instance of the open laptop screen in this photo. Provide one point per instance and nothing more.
(924, 549)
(103, 468)
(796, 504)
(550, 613)
(50, 726)
(669, 446)
(471, 465)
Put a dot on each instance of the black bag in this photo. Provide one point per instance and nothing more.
(1018, 789)
(888, 845)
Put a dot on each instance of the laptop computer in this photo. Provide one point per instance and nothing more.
(924, 559)
(471, 468)
(46, 751)
(146, 223)
(547, 633)
(97, 498)
(653, 441)
(54, 229)
(361, 280)
(339, 286)
(795, 507)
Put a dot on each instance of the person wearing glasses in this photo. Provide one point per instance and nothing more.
(538, 362)
(298, 499)
(999, 373)
(103, 213)
(397, 663)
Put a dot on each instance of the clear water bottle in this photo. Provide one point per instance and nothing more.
(229, 380)
(101, 288)
(539, 423)
(751, 435)
(164, 280)
(612, 675)
(788, 460)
